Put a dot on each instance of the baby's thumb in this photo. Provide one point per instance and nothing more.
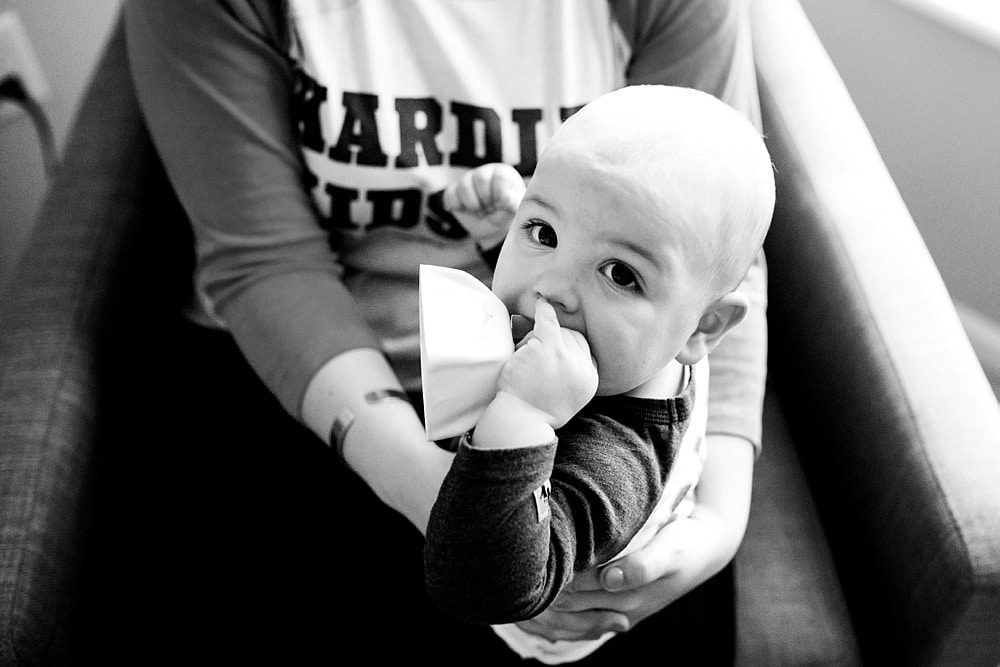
(546, 322)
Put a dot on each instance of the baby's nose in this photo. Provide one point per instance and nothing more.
(558, 288)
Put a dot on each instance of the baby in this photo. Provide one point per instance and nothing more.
(644, 214)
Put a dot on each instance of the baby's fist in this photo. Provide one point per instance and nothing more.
(552, 369)
(485, 200)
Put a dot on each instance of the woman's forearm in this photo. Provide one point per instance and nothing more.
(739, 366)
(389, 451)
(378, 433)
(724, 490)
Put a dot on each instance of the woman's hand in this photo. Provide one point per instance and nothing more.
(614, 598)
(682, 555)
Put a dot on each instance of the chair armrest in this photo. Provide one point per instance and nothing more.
(895, 422)
(57, 324)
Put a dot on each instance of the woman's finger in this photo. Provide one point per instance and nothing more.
(587, 580)
(658, 559)
(599, 600)
(556, 625)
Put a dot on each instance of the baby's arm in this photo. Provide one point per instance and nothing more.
(489, 552)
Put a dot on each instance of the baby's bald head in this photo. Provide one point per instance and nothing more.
(698, 154)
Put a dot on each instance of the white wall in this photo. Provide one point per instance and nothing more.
(930, 95)
(67, 36)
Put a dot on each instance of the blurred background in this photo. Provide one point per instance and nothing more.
(925, 75)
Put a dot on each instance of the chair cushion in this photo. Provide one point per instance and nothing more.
(790, 610)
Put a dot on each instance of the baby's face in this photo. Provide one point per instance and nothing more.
(614, 256)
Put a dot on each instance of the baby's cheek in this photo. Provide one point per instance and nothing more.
(607, 372)
(618, 371)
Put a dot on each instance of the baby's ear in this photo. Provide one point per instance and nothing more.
(717, 320)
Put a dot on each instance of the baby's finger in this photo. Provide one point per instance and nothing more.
(481, 188)
(576, 340)
(528, 337)
(449, 198)
(507, 188)
(547, 328)
(468, 199)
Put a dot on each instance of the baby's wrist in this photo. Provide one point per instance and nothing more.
(509, 422)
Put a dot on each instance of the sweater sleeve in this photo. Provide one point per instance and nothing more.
(487, 557)
(214, 84)
(706, 44)
(499, 548)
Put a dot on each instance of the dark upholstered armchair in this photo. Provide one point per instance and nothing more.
(875, 529)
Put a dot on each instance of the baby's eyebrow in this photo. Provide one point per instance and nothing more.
(542, 203)
(639, 249)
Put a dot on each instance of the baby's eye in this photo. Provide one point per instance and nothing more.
(541, 233)
(620, 275)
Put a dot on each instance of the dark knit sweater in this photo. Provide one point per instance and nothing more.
(501, 543)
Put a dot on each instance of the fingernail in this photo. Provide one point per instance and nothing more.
(612, 579)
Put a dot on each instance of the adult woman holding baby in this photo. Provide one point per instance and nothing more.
(309, 142)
